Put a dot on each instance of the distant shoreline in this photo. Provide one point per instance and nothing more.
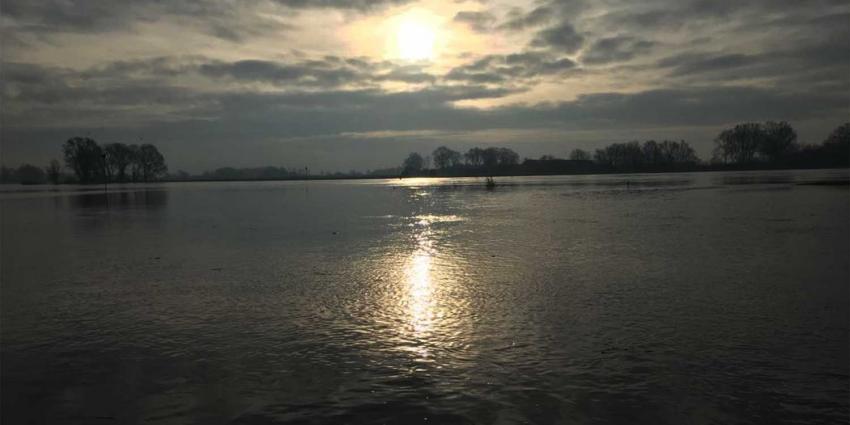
(468, 175)
(482, 175)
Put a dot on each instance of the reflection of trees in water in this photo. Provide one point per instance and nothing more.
(129, 199)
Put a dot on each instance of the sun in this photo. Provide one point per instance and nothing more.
(415, 38)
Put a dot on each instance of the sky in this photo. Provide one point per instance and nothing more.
(336, 85)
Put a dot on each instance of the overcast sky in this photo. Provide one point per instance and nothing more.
(357, 84)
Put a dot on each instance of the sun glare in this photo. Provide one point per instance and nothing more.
(415, 38)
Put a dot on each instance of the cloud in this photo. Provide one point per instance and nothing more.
(54, 97)
(697, 63)
(615, 49)
(233, 21)
(254, 70)
(518, 20)
(328, 72)
(224, 20)
(339, 4)
(659, 64)
(514, 68)
(561, 38)
(478, 21)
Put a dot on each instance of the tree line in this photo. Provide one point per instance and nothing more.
(474, 160)
(748, 145)
(92, 163)
(744, 146)
(775, 143)
(252, 173)
(497, 160)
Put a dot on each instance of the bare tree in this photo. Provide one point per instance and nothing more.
(412, 164)
(837, 145)
(474, 157)
(445, 157)
(118, 157)
(579, 155)
(779, 140)
(151, 162)
(739, 144)
(54, 171)
(85, 157)
(507, 157)
(30, 174)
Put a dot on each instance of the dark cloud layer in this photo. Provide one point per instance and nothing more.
(673, 65)
(227, 20)
(53, 92)
(562, 38)
(511, 69)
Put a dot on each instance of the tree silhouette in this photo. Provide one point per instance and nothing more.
(837, 144)
(445, 157)
(151, 162)
(54, 171)
(651, 155)
(507, 157)
(779, 140)
(625, 156)
(118, 157)
(474, 157)
(739, 144)
(412, 164)
(135, 164)
(579, 155)
(84, 156)
(676, 153)
(490, 158)
(30, 174)
(770, 142)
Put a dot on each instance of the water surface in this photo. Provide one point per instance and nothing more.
(668, 298)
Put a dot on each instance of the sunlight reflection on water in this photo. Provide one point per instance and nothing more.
(425, 319)
(420, 290)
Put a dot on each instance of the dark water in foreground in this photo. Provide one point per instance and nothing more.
(682, 298)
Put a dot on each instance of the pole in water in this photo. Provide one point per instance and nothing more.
(105, 172)
(105, 180)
